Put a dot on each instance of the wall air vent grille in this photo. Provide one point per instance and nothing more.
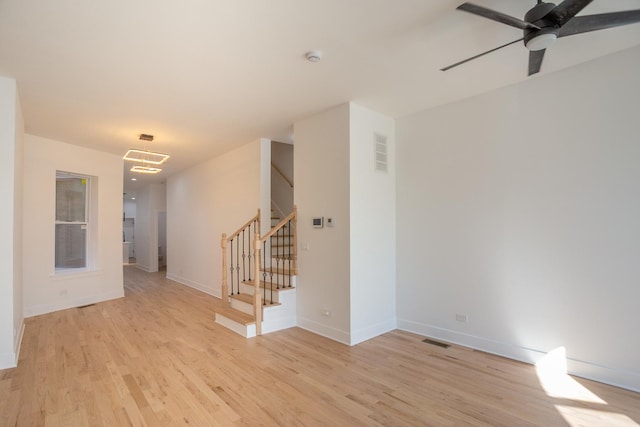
(381, 155)
(436, 343)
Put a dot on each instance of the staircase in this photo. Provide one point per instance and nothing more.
(272, 259)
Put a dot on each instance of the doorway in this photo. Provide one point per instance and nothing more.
(162, 241)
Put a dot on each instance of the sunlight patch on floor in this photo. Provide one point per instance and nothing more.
(576, 416)
(552, 373)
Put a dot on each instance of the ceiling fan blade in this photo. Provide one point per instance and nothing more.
(478, 56)
(584, 24)
(562, 13)
(535, 60)
(496, 16)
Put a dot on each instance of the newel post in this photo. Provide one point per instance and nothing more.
(225, 286)
(257, 300)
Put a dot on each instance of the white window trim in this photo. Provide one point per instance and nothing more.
(65, 271)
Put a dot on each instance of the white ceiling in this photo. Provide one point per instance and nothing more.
(204, 76)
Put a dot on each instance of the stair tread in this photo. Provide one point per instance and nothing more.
(286, 257)
(248, 299)
(235, 315)
(282, 271)
(282, 245)
(262, 286)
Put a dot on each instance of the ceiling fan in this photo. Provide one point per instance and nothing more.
(545, 22)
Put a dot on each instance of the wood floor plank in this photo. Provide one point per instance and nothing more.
(157, 358)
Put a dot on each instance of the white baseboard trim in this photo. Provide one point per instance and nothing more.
(8, 360)
(323, 330)
(373, 331)
(603, 374)
(37, 310)
(275, 325)
(195, 285)
(144, 268)
(615, 377)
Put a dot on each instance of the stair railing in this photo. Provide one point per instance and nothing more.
(248, 257)
(238, 266)
(277, 254)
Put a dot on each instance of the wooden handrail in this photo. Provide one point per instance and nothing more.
(279, 225)
(246, 224)
(273, 165)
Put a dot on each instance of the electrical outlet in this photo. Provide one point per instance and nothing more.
(326, 313)
(462, 318)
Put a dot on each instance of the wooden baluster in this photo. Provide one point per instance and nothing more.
(225, 286)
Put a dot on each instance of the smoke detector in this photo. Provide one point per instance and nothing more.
(314, 56)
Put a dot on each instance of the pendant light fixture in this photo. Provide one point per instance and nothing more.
(150, 160)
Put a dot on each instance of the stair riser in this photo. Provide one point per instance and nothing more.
(280, 279)
(282, 239)
(276, 295)
(281, 253)
(248, 289)
(242, 306)
(247, 331)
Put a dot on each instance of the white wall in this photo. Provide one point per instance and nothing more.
(372, 227)
(281, 191)
(11, 280)
(519, 208)
(321, 176)
(45, 291)
(150, 200)
(204, 201)
(348, 269)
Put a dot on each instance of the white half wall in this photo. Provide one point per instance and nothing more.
(321, 176)
(519, 209)
(204, 201)
(372, 226)
(11, 279)
(45, 291)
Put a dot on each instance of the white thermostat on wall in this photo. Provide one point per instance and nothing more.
(318, 222)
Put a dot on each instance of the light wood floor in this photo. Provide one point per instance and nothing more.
(157, 358)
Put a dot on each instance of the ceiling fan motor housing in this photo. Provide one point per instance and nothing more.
(540, 39)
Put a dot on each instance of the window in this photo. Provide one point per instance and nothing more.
(72, 221)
